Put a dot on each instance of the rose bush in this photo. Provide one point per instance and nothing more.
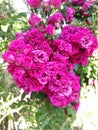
(42, 59)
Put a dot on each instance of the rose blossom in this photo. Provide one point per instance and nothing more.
(34, 20)
(58, 100)
(56, 18)
(34, 3)
(69, 16)
(55, 3)
(49, 29)
(35, 85)
(40, 56)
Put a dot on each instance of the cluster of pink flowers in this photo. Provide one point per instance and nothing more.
(40, 60)
(83, 43)
(41, 65)
(86, 6)
(68, 14)
(37, 3)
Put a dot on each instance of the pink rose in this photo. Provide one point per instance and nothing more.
(11, 68)
(40, 56)
(58, 100)
(9, 57)
(65, 91)
(56, 18)
(34, 3)
(69, 16)
(49, 29)
(55, 3)
(35, 85)
(44, 78)
(18, 73)
(34, 20)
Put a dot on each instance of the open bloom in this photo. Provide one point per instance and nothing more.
(40, 56)
(83, 43)
(56, 18)
(34, 20)
(49, 29)
(55, 3)
(34, 3)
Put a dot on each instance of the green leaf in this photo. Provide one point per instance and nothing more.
(45, 124)
(34, 95)
(41, 96)
(23, 95)
(22, 14)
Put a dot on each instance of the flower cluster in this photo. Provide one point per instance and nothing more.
(83, 43)
(70, 12)
(86, 6)
(42, 60)
(77, 9)
(84, 9)
(38, 64)
(36, 3)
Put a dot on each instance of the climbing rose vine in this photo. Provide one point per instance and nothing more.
(43, 58)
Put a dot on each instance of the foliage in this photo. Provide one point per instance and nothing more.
(10, 21)
(89, 75)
